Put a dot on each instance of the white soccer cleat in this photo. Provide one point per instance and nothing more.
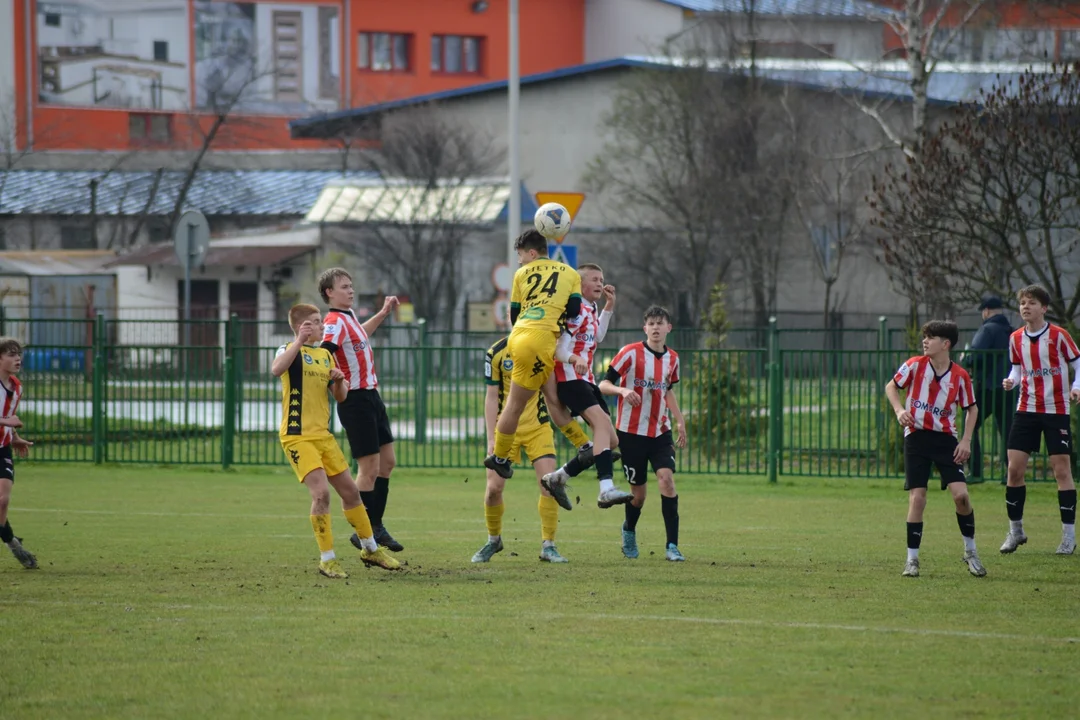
(975, 566)
(613, 496)
(1013, 541)
(911, 568)
(1067, 547)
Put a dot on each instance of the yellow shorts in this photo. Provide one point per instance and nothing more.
(308, 454)
(532, 351)
(537, 442)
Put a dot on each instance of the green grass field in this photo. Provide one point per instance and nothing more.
(171, 593)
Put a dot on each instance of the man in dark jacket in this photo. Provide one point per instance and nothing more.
(989, 365)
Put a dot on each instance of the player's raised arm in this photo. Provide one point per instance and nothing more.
(376, 320)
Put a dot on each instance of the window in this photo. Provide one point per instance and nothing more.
(149, 129)
(1070, 46)
(76, 237)
(383, 52)
(456, 54)
(161, 51)
(52, 19)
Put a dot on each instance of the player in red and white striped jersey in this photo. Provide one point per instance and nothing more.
(11, 444)
(363, 414)
(643, 375)
(937, 389)
(1041, 355)
(577, 390)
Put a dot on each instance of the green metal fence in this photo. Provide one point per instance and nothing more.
(769, 410)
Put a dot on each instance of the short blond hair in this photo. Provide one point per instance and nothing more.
(327, 278)
(301, 312)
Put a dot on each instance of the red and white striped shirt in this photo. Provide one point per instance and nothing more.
(1044, 369)
(583, 333)
(9, 403)
(344, 336)
(933, 401)
(650, 375)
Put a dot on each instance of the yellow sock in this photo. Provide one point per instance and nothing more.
(324, 535)
(358, 518)
(574, 434)
(549, 517)
(503, 443)
(493, 517)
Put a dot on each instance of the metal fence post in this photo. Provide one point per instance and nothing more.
(884, 345)
(97, 391)
(3, 321)
(228, 431)
(420, 432)
(776, 400)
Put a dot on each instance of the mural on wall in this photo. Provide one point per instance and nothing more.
(113, 53)
(273, 58)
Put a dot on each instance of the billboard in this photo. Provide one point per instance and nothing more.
(254, 57)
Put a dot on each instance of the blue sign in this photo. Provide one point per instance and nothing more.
(563, 253)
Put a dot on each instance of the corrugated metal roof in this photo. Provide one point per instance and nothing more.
(405, 202)
(121, 192)
(951, 82)
(55, 262)
(164, 254)
(788, 8)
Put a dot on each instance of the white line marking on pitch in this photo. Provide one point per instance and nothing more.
(925, 632)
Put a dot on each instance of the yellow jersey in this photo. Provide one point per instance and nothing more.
(498, 367)
(305, 394)
(541, 290)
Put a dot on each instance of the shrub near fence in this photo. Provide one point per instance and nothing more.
(774, 411)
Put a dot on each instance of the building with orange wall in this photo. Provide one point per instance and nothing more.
(123, 75)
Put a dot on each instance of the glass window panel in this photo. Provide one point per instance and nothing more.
(436, 53)
(472, 55)
(363, 50)
(380, 56)
(401, 52)
(453, 53)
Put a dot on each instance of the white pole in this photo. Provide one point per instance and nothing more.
(513, 226)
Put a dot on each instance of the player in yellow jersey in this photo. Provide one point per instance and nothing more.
(544, 291)
(535, 437)
(306, 371)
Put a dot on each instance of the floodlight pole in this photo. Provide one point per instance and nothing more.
(513, 223)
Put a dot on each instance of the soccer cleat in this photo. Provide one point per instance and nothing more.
(911, 568)
(612, 497)
(1012, 541)
(975, 566)
(332, 569)
(487, 552)
(384, 538)
(501, 467)
(587, 457)
(1067, 547)
(23, 555)
(629, 543)
(555, 483)
(673, 554)
(548, 553)
(380, 558)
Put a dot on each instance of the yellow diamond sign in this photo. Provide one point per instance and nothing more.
(571, 201)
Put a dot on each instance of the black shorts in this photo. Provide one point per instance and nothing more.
(580, 395)
(366, 423)
(7, 465)
(925, 448)
(1029, 429)
(640, 451)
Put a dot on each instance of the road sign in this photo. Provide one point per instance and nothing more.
(564, 254)
(571, 201)
(191, 238)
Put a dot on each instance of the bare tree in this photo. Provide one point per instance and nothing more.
(994, 202)
(434, 176)
(11, 153)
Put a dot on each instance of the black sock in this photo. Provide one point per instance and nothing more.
(633, 512)
(1067, 503)
(604, 466)
(370, 498)
(6, 533)
(914, 535)
(574, 467)
(967, 524)
(1014, 501)
(382, 492)
(669, 506)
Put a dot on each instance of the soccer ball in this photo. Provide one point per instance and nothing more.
(552, 221)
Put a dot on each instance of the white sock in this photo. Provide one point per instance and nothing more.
(327, 556)
(369, 544)
(494, 538)
(1068, 532)
(548, 543)
(912, 554)
(1016, 527)
(586, 446)
(607, 484)
(969, 543)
